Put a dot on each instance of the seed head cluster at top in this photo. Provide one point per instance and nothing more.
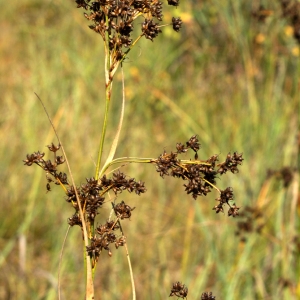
(114, 20)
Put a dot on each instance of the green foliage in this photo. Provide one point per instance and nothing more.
(229, 78)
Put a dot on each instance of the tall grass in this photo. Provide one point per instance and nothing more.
(229, 78)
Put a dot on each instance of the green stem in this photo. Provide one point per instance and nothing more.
(131, 160)
(107, 102)
(108, 87)
(108, 80)
(125, 160)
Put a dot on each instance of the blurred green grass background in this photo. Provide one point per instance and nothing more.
(230, 79)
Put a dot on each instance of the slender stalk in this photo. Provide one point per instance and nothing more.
(89, 282)
(216, 188)
(107, 103)
(146, 160)
(128, 259)
(130, 271)
(125, 160)
(108, 87)
(114, 145)
(60, 262)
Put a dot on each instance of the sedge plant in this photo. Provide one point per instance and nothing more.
(113, 21)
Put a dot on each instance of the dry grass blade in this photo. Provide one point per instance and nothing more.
(89, 277)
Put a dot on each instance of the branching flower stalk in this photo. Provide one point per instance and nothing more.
(113, 20)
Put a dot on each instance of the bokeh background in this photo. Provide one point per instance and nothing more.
(231, 76)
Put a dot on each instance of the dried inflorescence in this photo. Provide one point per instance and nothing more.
(231, 163)
(91, 196)
(114, 21)
(50, 167)
(119, 182)
(200, 174)
(123, 211)
(179, 290)
(105, 236)
(207, 296)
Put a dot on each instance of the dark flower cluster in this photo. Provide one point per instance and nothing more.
(176, 22)
(119, 182)
(104, 237)
(91, 195)
(208, 296)
(173, 2)
(225, 197)
(114, 19)
(123, 211)
(231, 163)
(90, 198)
(251, 222)
(179, 290)
(200, 174)
(50, 167)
